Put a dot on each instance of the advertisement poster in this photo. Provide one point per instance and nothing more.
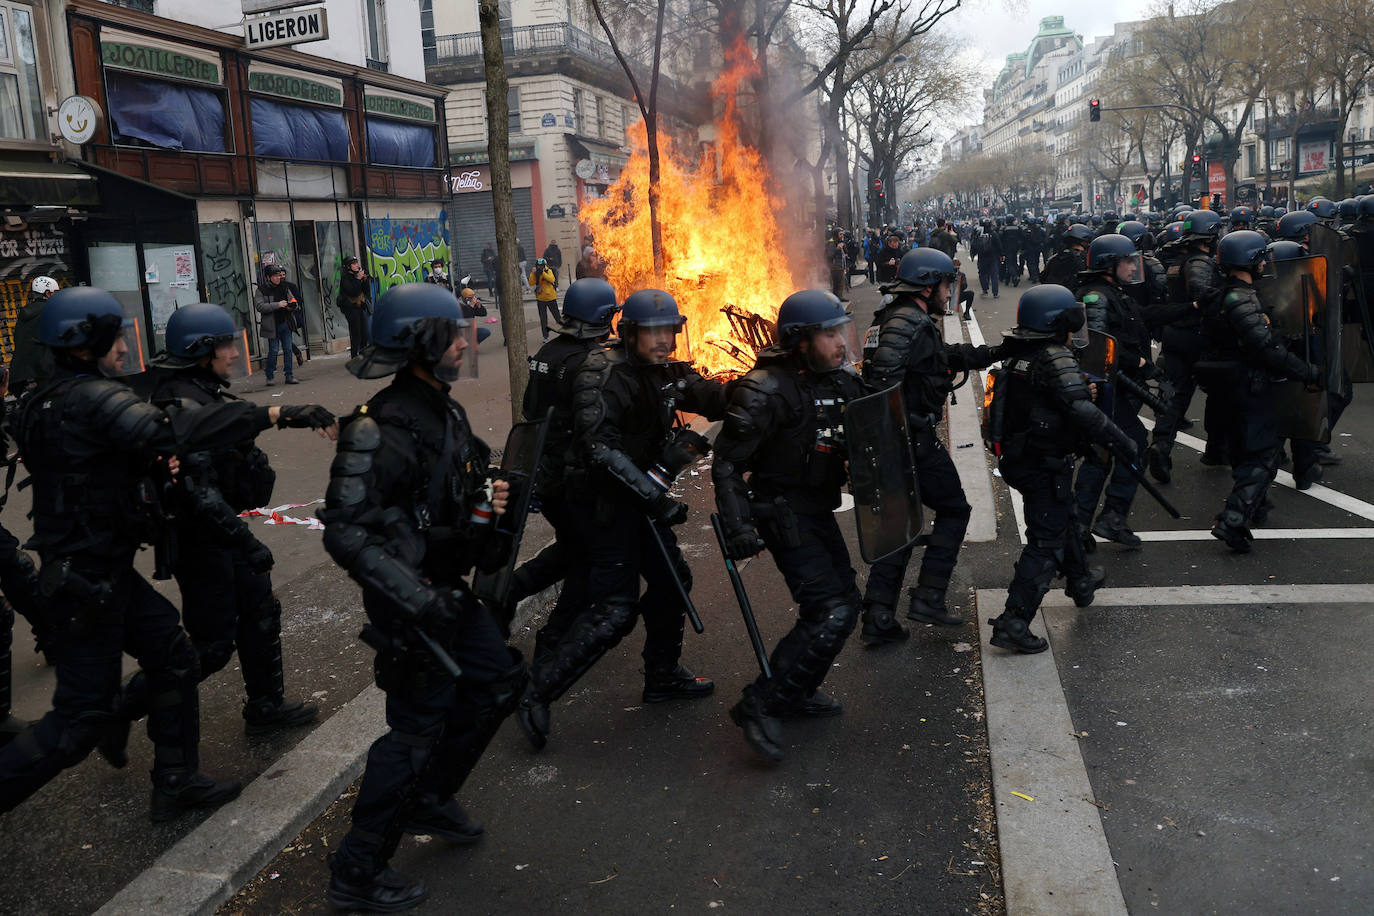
(1216, 180)
(1313, 157)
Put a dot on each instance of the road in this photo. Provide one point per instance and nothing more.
(1218, 708)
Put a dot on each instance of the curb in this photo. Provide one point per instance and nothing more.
(209, 865)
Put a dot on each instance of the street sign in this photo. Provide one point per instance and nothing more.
(557, 211)
(549, 120)
(286, 28)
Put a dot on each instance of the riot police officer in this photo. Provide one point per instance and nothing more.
(1196, 282)
(1266, 222)
(1013, 240)
(1241, 218)
(905, 347)
(1155, 288)
(785, 428)
(1064, 268)
(1240, 356)
(92, 449)
(588, 309)
(408, 515)
(629, 446)
(1113, 269)
(1293, 227)
(1040, 415)
(222, 569)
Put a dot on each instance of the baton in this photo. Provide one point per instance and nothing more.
(1144, 481)
(1140, 391)
(682, 595)
(750, 622)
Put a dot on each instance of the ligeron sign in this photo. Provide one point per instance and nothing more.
(286, 28)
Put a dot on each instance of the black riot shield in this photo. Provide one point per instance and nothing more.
(519, 460)
(1297, 302)
(1359, 330)
(1098, 362)
(882, 474)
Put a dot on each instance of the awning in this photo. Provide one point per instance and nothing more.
(596, 150)
(25, 185)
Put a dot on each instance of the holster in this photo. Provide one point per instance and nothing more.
(74, 599)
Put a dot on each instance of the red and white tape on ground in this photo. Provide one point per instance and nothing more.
(274, 516)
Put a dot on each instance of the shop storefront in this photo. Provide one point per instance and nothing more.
(471, 219)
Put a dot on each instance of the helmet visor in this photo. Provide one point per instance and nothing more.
(1130, 270)
(241, 365)
(657, 339)
(132, 363)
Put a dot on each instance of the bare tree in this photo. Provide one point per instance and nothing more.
(503, 204)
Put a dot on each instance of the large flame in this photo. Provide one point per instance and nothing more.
(722, 258)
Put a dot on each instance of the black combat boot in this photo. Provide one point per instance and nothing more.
(818, 705)
(1215, 456)
(354, 886)
(1303, 478)
(178, 790)
(1261, 515)
(447, 821)
(270, 714)
(1081, 590)
(1012, 632)
(1233, 531)
(1111, 526)
(532, 715)
(762, 731)
(880, 626)
(1160, 463)
(928, 606)
(676, 683)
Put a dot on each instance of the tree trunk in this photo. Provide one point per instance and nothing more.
(503, 206)
(655, 227)
(844, 214)
(1344, 109)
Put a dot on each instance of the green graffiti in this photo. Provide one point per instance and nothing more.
(408, 266)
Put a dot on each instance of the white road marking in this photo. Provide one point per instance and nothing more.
(1161, 596)
(966, 448)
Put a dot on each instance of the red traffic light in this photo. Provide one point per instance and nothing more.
(1094, 109)
(1197, 160)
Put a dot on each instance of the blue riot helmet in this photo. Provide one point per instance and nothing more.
(1321, 208)
(1201, 225)
(1293, 226)
(810, 310)
(81, 316)
(1078, 233)
(1115, 254)
(588, 308)
(1243, 249)
(411, 323)
(650, 308)
(193, 332)
(1242, 217)
(1367, 206)
(1348, 209)
(1047, 312)
(1135, 231)
(1284, 250)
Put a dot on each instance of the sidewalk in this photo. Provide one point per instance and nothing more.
(91, 821)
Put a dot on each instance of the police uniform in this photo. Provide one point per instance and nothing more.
(91, 446)
(785, 428)
(905, 347)
(403, 489)
(221, 568)
(624, 418)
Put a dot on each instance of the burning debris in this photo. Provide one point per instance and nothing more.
(719, 223)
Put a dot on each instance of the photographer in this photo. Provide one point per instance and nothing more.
(278, 303)
(355, 301)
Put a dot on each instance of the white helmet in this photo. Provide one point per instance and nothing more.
(44, 285)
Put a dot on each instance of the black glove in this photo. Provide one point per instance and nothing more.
(305, 416)
(743, 543)
(259, 557)
(668, 511)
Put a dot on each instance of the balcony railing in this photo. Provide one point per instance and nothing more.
(526, 40)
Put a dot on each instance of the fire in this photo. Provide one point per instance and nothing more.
(722, 262)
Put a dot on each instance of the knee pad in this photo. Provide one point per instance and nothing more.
(838, 623)
(266, 617)
(615, 621)
(420, 748)
(183, 661)
(213, 657)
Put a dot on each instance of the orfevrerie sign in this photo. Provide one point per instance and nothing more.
(286, 27)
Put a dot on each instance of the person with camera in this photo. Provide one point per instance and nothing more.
(783, 428)
(544, 282)
(279, 314)
(355, 301)
(628, 445)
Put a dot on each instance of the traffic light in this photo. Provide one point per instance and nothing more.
(1197, 165)
(1094, 109)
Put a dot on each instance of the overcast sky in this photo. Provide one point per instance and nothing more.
(992, 29)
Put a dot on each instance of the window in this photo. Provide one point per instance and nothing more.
(577, 111)
(398, 143)
(21, 100)
(427, 40)
(285, 131)
(376, 31)
(163, 113)
(513, 102)
(600, 119)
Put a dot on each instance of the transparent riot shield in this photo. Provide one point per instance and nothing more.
(1323, 241)
(1359, 330)
(467, 369)
(519, 460)
(1295, 299)
(1098, 362)
(882, 474)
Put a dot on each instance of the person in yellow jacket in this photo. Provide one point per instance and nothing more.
(545, 284)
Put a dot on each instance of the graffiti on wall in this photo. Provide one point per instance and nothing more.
(25, 254)
(226, 282)
(400, 250)
(329, 242)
